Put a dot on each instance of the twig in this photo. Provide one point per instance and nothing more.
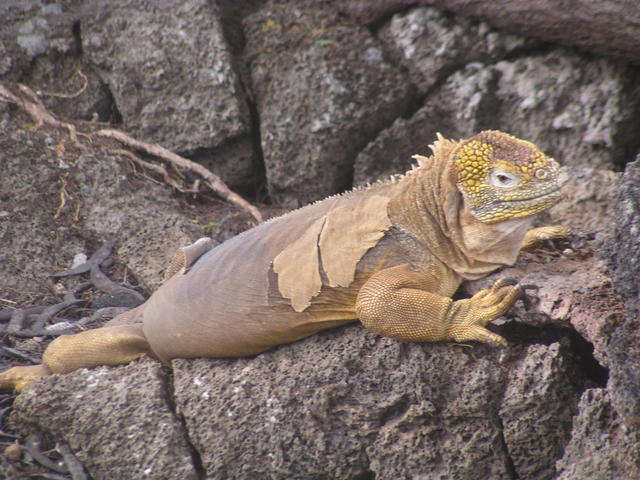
(85, 83)
(52, 310)
(32, 445)
(19, 355)
(71, 461)
(213, 181)
(159, 169)
(39, 113)
(96, 259)
(106, 285)
(17, 321)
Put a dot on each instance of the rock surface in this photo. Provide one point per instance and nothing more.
(624, 346)
(118, 421)
(344, 403)
(432, 44)
(609, 27)
(319, 99)
(49, 193)
(598, 428)
(180, 59)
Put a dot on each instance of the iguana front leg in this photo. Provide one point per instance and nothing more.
(399, 303)
(534, 237)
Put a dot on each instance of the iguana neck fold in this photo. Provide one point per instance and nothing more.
(429, 205)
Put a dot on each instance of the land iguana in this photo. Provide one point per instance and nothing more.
(391, 255)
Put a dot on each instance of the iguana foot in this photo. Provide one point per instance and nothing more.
(537, 236)
(470, 316)
(17, 378)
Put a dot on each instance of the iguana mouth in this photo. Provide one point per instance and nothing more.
(536, 197)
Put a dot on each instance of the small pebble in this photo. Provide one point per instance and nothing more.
(13, 452)
(79, 259)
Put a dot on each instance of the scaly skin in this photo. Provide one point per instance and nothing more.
(390, 255)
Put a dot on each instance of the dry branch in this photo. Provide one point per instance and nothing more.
(211, 179)
(34, 107)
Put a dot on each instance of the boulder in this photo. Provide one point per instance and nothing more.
(178, 87)
(598, 428)
(608, 27)
(341, 404)
(319, 99)
(624, 255)
(118, 421)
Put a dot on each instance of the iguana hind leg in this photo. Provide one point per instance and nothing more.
(399, 303)
(102, 346)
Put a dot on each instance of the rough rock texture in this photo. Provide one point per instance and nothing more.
(342, 404)
(573, 290)
(49, 192)
(587, 202)
(537, 409)
(319, 99)
(182, 63)
(625, 258)
(609, 27)
(432, 44)
(345, 403)
(626, 243)
(31, 237)
(118, 421)
(132, 211)
(39, 45)
(598, 428)
(578, 110)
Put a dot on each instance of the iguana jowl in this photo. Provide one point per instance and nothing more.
(391, 255)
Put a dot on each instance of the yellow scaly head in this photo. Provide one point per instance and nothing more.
(502, 177)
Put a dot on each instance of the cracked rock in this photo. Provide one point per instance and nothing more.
(624, 253)
(431, 44)
(319, 99)
(177, 87)
(537, 409)
(602, 447)
(340, 404)
(118, 421)
(346, 402)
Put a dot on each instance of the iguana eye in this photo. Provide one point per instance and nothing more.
(541, 173)
(502, 179)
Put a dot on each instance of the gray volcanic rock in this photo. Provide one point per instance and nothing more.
(39, 47)
(625, 260)
(432, 44)
(47, 196)
(177, 85)
(607, 27)
(319, 99)
(340, 404)
(347, 402)
(118, 421)
(602, 447)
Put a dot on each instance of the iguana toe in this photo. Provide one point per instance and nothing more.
(538, 236)
(17, 378)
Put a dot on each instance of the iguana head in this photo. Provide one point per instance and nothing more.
(503, 178)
